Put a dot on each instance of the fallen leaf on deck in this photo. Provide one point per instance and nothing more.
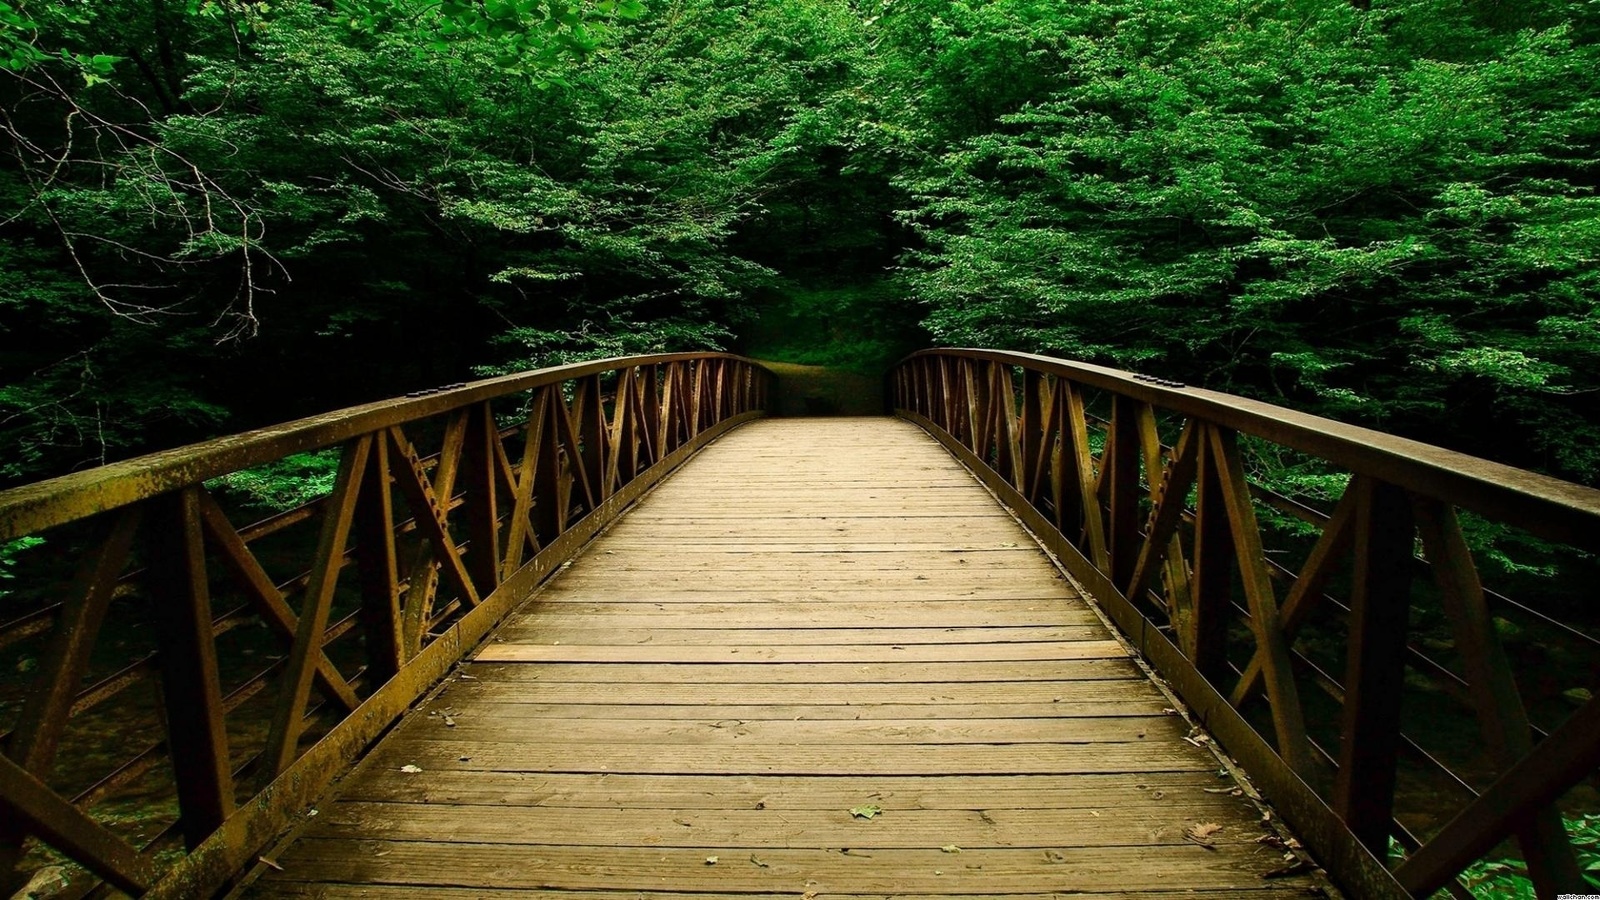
(1295, 868)
(410, 769)
(758, 863)
(1200, 833)
(865, 812)
(270, 862)
(950, 848)
(711, 860)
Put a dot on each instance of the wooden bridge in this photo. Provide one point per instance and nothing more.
(503, 657)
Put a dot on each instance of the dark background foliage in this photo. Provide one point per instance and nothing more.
(220, 213)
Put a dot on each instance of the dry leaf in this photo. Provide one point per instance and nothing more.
(711, 860)
(410, 769)
(270, 862)
(1297, 867)
(1200, 833)
(758, 863)
(865, 811)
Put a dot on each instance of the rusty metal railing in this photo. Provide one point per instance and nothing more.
(221, 676)
(1298, 662)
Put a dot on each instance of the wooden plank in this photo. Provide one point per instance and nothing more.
(517, 755)
(1056, 708)
(973, 829)
(740, 613)
(845, 587)
(472, 724)
(824, 653)
(336, 891)
(665, 632)
(825, 871)
(780, 793)
(1130, 690)
(812, 673)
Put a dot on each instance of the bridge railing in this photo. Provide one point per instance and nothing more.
(178, 689)
(1325, 657)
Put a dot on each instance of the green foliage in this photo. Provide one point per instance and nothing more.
(8, 556)
(21, 25)
(393, 192)
(861, 328)
(528, 37)
(1382, 216)
(534, 348)
(284, 484)
(1509, 878)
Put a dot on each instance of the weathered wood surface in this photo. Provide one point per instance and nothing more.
(814, 616)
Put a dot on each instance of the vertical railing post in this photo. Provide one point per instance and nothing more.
(190, 685)
(338, 514)
(1033, 429)
(379, 571)
(1204, 637)
(1380, 604)
(1121, 460)
(481, 505)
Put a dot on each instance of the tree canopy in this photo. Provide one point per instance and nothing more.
(219, 213)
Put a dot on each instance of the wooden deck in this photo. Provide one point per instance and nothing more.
(813, 617)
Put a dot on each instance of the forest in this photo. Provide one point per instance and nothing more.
(219, 214)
